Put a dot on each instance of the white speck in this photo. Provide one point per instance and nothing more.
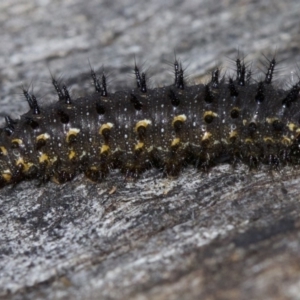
(162, 130)
(59, 144)
(125, 136)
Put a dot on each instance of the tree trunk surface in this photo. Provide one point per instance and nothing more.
(229, 233)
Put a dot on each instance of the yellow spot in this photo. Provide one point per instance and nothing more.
(207, 135)
(248, 140)
(268, 140)
(104, 149)
(181, 118)
(286, 141)
(139, 146)
(271, 120)
(105, 126)
(6, 175)
(233, 134)
(43, 158)
(3, 150)
(244, 122)
(210, 113)
(26, 166)
(17, 141)
(175, 142)
(142, 123)
(72, 132)
(44, 136)
(72, 154)
(292, 126)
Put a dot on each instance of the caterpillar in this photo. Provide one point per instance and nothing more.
(229, 119)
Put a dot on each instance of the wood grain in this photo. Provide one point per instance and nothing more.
(227, 234)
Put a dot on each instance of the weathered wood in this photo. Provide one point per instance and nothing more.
(228, 234)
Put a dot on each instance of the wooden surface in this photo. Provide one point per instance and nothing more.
(228, 234)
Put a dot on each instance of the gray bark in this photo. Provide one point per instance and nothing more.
(226, 234)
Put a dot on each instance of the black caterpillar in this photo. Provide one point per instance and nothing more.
(228, 120)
